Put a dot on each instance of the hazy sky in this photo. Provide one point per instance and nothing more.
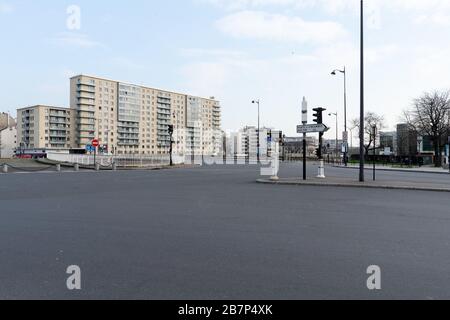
(236, 50)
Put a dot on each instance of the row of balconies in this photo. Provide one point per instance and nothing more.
(128, 131)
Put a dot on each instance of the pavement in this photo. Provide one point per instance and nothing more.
(424, 169)
(213, 233)
(411, 180)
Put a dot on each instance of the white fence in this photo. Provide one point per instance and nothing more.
(125, 161)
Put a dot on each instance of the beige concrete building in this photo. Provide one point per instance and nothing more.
(134, 119)
(45, 127)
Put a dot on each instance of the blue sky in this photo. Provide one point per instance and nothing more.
(237, 50)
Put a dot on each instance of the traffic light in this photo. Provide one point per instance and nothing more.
(318, 115)
(319, 153)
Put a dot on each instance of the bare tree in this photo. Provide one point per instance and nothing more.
(371, 120)
(429, 116)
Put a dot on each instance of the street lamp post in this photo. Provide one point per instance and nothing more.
(344, 72)
(337, 132)
(361, 116)
(258, 135)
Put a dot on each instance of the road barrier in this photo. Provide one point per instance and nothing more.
(120, 161)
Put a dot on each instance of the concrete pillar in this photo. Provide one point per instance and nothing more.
(5, 168)
(76, 167)
(97, 167)
(114, 166)
(58, 167)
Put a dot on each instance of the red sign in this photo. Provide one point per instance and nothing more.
(95, 143)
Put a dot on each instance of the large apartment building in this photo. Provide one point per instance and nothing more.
(45, 127)
(134, 119)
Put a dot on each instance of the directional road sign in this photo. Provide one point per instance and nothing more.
(312, 128)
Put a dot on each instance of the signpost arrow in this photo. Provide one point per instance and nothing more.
(312, 128)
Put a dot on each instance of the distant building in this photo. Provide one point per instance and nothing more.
(8, 136)
(45, 127)
(293, 146)
(331, 147)
(6, 121)
(388, 143)
(245, 142)
(406, 141)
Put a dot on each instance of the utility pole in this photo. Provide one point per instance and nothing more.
(259, 121)
(344, 72)
(362, 115)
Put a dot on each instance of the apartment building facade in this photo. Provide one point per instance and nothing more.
(134, 119)
(45, 127)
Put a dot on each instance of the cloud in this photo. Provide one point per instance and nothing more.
(422, 10)
(6, 8)
(76, 40)
(125, 63)
(266, 26)
(438, 19)
(209, 53)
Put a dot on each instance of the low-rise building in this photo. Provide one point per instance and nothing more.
(45, 127)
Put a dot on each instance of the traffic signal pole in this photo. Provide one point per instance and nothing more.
(318, 118)
(304, 156)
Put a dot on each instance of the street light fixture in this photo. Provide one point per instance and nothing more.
(344, 72)
(259, 119)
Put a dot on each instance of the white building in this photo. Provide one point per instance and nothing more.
(8, 137)
(245, 142)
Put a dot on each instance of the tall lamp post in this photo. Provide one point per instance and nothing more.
(361, 126)
(337, 132)
(259, 119)
(344, 72)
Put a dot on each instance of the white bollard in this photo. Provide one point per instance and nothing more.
(76, 167)
(97, 167)
(5, 168)
(58, 168)
(321, 174)
(114, 166)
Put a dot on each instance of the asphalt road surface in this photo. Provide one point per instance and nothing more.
(213, 233)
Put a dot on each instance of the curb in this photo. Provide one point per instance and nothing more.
(395, 170)
(350, 185)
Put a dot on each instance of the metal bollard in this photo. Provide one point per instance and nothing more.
(5, 168)
(58, 168)
(321, 174)
(97, 167)
(76, 167)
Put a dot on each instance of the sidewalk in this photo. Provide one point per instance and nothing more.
(369, 166)
(349, 183)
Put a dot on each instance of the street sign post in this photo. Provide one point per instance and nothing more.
(95, 143)
(312, 128)
(90, 148)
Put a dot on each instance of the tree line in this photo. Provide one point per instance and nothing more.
(429, 115)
